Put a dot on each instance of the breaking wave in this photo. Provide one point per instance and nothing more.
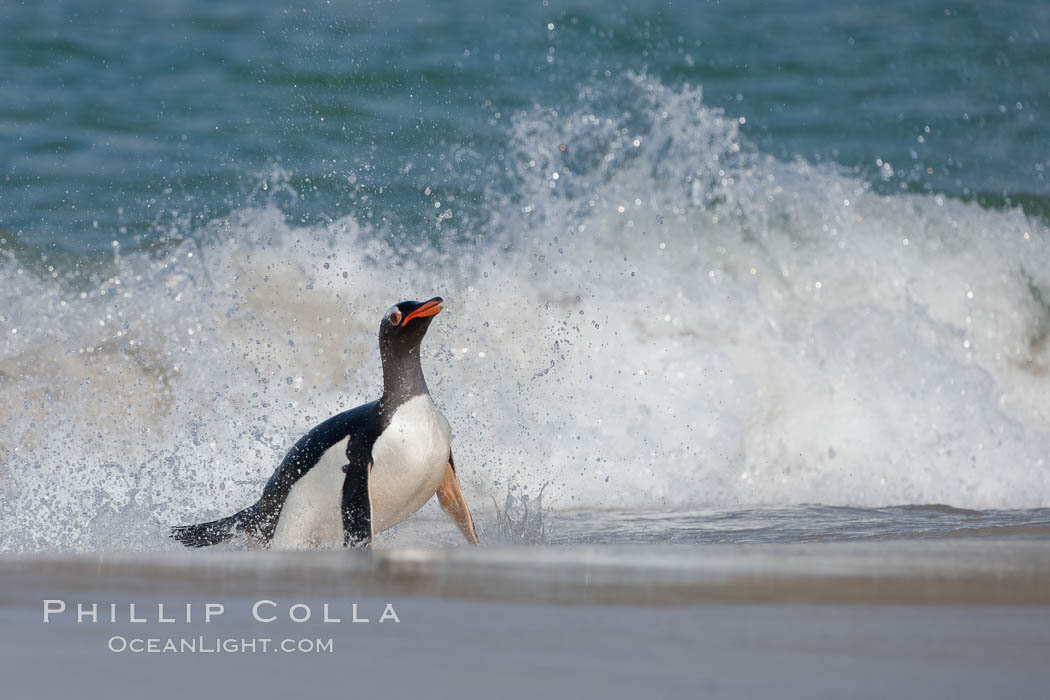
(654, 314)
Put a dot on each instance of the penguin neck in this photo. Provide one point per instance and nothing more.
(402, 377)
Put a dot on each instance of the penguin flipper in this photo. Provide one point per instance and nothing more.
(450, 495)
(299, 460)
(357, 506)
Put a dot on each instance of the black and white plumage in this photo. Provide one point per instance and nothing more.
(364, 470)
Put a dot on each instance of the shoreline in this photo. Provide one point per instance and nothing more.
(945, 619)
(942, 572)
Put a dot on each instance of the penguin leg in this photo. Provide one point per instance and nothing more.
(357, 506)
(450, 495)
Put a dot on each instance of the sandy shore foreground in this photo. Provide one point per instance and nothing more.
(931, 619)
(982, 571)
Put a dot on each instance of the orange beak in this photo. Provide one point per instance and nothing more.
(430, 308)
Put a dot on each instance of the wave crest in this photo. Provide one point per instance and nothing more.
(657, 315)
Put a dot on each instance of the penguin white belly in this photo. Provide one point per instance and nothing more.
(312, 515)
(408, 462)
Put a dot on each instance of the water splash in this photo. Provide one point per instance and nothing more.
(676, 320)
(517, 523)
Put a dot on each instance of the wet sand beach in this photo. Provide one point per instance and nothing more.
(960, 619)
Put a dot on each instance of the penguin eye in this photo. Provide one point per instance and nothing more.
(395, 317)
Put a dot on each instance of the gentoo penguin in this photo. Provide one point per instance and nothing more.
(364, 470)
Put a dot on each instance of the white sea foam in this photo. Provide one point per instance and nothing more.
(674, 320)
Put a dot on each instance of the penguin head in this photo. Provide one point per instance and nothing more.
(406, 322)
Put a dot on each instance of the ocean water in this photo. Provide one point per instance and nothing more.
(706, 264)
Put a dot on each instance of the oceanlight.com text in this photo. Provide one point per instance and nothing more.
(217, 645)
